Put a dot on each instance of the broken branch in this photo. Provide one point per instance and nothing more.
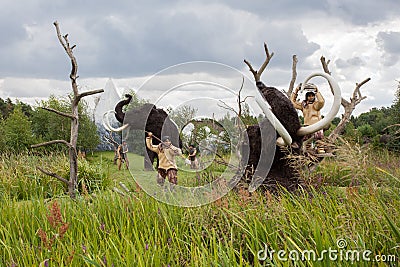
(325, 65)
(68, 115)
(348, 106)
(51, 143)
(294, 76)
(52, 174)
(84, 94)
(257, 74)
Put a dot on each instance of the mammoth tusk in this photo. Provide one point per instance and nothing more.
(332, 113)
(274, 120)
(107, 125)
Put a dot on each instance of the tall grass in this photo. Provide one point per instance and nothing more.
(109, 229)
(21, 180)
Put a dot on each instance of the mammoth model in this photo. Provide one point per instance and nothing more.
(261, 166)
(283, 117)
(148, 118)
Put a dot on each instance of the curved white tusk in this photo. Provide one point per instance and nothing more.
(107, 125)
(332, 113)
(105, 121)
(272, 118)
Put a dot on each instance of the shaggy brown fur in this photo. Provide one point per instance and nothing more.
(281, 172)
(119, 114)
(151, 119)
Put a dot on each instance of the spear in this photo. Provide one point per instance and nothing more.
(155, 137)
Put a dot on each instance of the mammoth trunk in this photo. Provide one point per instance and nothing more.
(119, 113)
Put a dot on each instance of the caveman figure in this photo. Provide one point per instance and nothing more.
(310, 106)
(166, 155)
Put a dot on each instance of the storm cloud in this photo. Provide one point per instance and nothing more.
(131, 40)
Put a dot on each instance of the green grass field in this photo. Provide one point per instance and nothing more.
(348, 217)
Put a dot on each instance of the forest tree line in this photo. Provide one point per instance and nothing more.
(22, 125)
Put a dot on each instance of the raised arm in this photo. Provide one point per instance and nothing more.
(320, 101)
(293, 99)
(149, 143)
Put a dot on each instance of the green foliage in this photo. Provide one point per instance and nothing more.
(16, 132)
(135, 101)
(378, 119)
(91, 177)
(350, 132)
(48, 126)
(20, 179)
(6, 107)
(335, 121)
(246, 117)
(395, 110)
(366, 130)
(110, 229)
(182, 115)
(356, 165)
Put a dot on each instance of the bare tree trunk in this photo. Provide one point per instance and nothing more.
(342, 124)
(348, 106)
(73, 159)
(74, 116)
(294, 76)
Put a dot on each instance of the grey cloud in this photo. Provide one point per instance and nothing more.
(15, 87)
(125, 39)
(354, 11)
(364, 12)
(389, 42)
(349, 63)
(356, 61)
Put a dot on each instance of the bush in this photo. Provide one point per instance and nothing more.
(20, 179)
(91, 177)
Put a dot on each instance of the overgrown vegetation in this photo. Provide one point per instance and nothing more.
(21, 180)
(353, 197)
(21, 125)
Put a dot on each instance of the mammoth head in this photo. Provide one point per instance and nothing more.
(135, 118)
(285, 138)
(119, 113)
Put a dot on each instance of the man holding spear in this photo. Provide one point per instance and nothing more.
(166, 158)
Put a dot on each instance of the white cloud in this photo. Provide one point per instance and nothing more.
(130, 41)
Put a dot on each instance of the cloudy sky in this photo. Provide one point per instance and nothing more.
(130, 41)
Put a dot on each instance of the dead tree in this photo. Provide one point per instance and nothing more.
(73, 116)
(240, 101)
(348, 106)
(294, 76)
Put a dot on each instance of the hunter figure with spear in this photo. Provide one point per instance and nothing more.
(166, 156)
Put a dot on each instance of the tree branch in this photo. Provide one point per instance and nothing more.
(68, 115)
(54, 175)
(51, 143)
(268, 58)
(390, 126)
(227, 107)
(68, 49)
(325, 65)
(294, 76)
(244, 100)
(348, 106)
(84, 94)
(257, 74)
(357, 94)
